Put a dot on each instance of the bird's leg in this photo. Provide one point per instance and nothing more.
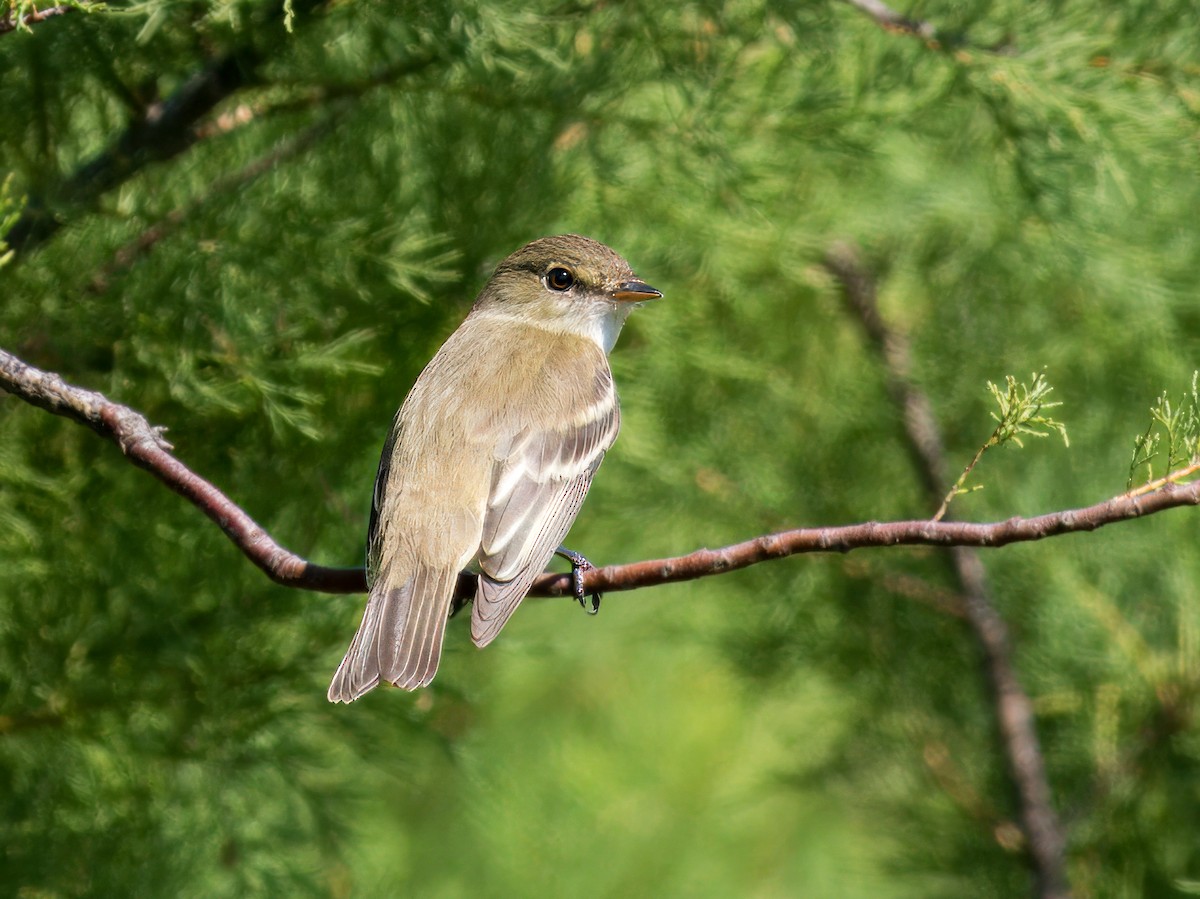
(579, 566)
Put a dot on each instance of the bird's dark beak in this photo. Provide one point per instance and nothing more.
(635, 292)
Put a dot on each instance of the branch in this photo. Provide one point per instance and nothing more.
(920, 424)
(1013, 708)
(10, 22)
(164, 130)
(923, 532)
(146, 448)
(127, 255)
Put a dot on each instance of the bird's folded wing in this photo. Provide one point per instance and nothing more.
(537, 488)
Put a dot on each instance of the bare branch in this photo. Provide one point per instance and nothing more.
(1013, 708)
(924, 532)
(146, 448)
(920, 424)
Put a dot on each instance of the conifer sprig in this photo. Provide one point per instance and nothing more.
(1020, 413)
(10, 211)
(1173, 436)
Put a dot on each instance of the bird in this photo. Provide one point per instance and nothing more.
(490, 456)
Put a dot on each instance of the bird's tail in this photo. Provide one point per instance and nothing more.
(400, 638)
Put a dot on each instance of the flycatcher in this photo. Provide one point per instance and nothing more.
(491, 455)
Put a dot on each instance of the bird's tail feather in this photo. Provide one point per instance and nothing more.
(400, 638)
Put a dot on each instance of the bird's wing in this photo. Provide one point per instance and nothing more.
(412, 582)
(538, 485)
(374, 529)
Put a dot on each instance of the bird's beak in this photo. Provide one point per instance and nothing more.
(635, 292)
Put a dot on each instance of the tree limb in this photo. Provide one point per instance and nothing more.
(146, 448)
(163, 131)
(127, 254)
(1014, 711)
(167, 129)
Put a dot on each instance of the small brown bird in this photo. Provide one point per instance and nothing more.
(491, 455)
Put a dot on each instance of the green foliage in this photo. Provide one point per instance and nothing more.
(10, 211)
(269, 286)
(1020, 412)
(1173, 436)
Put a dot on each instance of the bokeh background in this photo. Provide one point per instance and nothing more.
(268, 279)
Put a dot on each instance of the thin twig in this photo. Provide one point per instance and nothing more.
(10, 23)
(1013, 708)
(166, 130)
(1172, 478)
(962, 479)
(126, 255)
(948, 602)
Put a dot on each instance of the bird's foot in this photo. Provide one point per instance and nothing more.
(579, 567)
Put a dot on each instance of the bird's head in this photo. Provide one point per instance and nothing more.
(566, 283)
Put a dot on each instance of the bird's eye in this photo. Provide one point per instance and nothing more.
(560, 278)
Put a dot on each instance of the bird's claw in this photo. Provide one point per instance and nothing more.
(579, 567)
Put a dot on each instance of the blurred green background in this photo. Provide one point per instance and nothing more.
(269, 281)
